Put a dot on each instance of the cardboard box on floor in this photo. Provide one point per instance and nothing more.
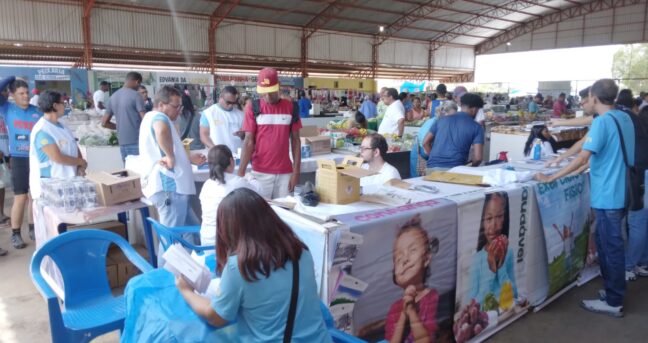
(119, 268)
(116, 187)
(340, 184)
(309, 135)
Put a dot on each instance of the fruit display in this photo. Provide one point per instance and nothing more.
(472, 321)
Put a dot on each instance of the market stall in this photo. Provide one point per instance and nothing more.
(356, 249)
(512, 139)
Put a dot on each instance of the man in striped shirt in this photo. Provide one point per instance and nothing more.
(271, 126)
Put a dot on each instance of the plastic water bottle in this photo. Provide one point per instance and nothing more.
(537, 149)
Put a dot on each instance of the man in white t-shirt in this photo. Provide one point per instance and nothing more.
(394, 120)
(221, 123)
(100, 97)
(373, 151)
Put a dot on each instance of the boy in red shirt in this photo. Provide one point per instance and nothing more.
(267, 134)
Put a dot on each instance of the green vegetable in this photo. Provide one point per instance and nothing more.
(113, 139)
(490, 303)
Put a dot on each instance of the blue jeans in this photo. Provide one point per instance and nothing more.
(637, 251)
(128, 149)
(175, 212)
(609, 243)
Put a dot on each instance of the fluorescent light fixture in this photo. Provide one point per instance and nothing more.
(18, 44)
(508, 43)
(381, 28)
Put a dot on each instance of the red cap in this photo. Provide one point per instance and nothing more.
(267, 81)
(35, 91)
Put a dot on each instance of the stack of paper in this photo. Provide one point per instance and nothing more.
(179, 262)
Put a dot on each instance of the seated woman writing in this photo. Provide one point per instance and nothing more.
(256, 253)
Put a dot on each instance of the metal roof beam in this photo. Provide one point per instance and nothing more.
(407, 19)
(220, 13)
(484, 17)
(571, 12)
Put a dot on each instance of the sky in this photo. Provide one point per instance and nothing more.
(525, 69)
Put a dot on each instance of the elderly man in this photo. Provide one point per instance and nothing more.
(221, 123)
(394, 121)
(169, 182)
(270, 125)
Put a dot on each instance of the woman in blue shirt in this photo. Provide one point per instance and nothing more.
(256, 252)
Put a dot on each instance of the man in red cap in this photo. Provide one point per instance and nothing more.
(269, 124)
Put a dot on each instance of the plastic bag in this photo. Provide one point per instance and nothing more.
(156, 312)
(5, 176)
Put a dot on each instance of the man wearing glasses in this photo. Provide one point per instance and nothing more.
(167, 178)
(221, 123)
(128, 108)
(373, 150)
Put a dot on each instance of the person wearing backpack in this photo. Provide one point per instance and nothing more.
(636, 259)
(271, 126)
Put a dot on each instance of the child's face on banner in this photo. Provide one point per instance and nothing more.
(494, 218)
(411, 257)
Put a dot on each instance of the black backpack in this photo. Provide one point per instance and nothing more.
(640, 123)
(256, 110)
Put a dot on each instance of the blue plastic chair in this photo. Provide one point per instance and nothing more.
(336, 335)
(89, 308)
(168, 236)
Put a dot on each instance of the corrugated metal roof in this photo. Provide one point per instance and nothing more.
(365, 16)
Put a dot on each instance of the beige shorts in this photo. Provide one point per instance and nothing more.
(272, 186)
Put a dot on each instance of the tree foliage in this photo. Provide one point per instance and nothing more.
(630, 65)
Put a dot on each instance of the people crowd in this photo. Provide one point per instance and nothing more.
(257, 266)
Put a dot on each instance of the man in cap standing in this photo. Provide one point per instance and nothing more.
(270, 123)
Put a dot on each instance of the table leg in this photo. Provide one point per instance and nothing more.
(148, 236)
(122, 217)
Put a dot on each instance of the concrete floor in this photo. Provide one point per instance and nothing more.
(24, 318)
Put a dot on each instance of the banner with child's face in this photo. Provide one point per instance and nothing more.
(566, 220)
(394, 273)
(491, 279)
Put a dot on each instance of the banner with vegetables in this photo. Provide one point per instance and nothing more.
(394, 273)
(491, 272)
(566, 220)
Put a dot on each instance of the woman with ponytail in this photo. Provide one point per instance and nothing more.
(222, 181)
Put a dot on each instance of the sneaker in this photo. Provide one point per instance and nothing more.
(3, 252)
(600, 306)
(17, 241)
(641, 271)
(32, 235)
(630, 276)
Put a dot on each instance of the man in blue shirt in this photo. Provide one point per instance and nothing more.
(305, 105)
(20, 118)
(441, 91)
(368, 108)
(602, 148)
(450, 138)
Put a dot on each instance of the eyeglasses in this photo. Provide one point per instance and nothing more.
(175, 106)
(231, 102)
(363, 148)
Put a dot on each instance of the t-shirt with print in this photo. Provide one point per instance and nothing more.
(126, 105)
(226, 122)
(453, 136)
(20, 123)
(168, 183)
(260, 308)
(272, 129)
(44, 139)
(607, 168)
(4, 134)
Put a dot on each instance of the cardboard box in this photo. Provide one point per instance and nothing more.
(113, 226)
(309, 135)
(119, 268)
(116, 187)
(340, 184)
